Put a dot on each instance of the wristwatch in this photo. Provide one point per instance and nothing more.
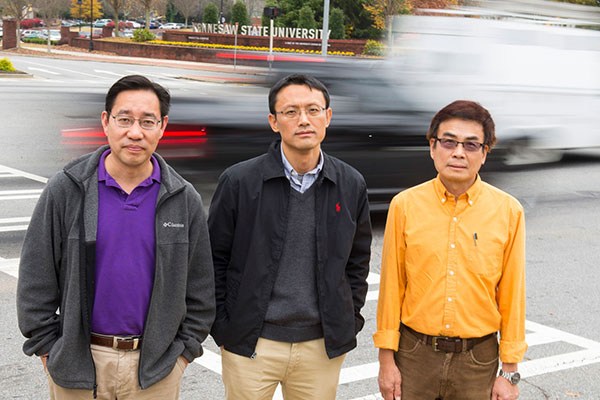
(513, 377)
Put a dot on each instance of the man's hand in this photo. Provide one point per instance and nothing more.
(504, 390)
(185, 361)
(44, 359)
(389, 376)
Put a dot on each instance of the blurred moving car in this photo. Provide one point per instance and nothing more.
(538, 80)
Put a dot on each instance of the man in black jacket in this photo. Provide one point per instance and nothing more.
(291, 238)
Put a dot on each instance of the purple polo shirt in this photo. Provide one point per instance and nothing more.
(125, 253)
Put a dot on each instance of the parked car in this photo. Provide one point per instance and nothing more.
(31, 34)
(133, 24)
(101, 23)
(170, 25)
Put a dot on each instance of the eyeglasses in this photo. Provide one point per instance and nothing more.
(147, 123)
(451, 144)
(294, 112)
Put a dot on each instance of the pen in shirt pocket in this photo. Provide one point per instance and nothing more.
(475, 239)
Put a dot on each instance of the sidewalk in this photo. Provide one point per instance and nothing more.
(254, 73)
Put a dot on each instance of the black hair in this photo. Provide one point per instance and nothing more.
(296, 79)
(138, 82)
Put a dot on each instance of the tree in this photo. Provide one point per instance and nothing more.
(85, 9)
(117, 7)
(211, 14)
(382, 12)
(187, 8)
(50, 9)
(149, 5)
(306, 18)
(16, 9)
(239, 14)
(336, 24)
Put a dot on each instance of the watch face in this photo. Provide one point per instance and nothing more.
(515, 378)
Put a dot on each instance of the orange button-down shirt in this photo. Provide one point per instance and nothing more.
(454, 267)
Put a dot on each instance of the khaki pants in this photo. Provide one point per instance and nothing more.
(117, 378)
(303, 369)
(430, 375)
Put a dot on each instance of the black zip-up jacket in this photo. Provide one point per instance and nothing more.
(247, 224)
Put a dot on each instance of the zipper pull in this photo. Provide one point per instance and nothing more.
(95, 391)
(253, 356)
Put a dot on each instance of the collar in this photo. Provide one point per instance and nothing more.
(273, 164)
(290, 170)
(472, 194)
(104, 176)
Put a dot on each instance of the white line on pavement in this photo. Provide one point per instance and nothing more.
(101, 71)
(13, 228)
(43, 70)
(24, 191)
(62, 69)
(10, 266)
(5, 169)
(21, 197)
(14, 220)
(151, 75)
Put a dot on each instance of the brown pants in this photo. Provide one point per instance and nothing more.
(303, 369)
(117, 378)
(430, 375)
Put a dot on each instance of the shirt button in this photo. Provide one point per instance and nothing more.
(452, 245)
(443, 200)
(451, 272)
(454, 219)
(447, 326)
(449, 298)
(470, 202)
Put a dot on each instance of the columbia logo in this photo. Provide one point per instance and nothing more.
(172, 225)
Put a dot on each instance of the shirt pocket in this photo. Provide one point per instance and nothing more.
(485, 254)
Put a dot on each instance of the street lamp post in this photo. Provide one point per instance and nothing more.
(80, 3)
(221, 17)
(92, 25)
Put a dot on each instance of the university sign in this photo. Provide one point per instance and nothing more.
(256, 30)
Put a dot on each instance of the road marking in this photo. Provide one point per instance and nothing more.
(20, 194)
(10, 266)
(101, 71)
(15, 220)
(43, 70)
(151, 75)
(62, 69)
(8, 170)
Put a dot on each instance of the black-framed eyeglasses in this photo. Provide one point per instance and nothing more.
(451, 144)
(127, 121)
(295, 112)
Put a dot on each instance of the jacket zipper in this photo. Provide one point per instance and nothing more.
(158, 204)
(82, 246)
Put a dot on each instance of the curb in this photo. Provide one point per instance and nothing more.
(15, 75)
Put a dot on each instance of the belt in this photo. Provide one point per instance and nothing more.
(116, 342)
(449, 344)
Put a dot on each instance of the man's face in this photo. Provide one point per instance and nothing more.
(132, 146)
(458, 166)
(304, 132)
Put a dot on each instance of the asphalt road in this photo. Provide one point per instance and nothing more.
(560, 201)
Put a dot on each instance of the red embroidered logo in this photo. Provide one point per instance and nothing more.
(337, 207)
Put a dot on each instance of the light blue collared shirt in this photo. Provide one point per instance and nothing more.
(302, 182)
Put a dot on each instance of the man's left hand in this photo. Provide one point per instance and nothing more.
(504, 390)
(185, 361)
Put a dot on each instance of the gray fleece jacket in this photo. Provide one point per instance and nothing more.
(55, 289)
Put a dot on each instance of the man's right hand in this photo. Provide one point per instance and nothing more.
(44, 359)
(389, 376)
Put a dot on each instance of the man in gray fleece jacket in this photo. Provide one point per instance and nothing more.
(116, 287)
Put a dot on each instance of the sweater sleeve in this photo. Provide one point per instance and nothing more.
(199, 298)
(38, 292)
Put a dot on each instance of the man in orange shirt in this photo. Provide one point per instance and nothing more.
(453, 274)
